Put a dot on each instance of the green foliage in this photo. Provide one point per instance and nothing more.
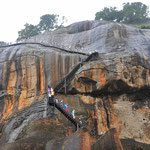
(29, 31)
(47, 22)
(143, 27)
(134, 12)
(109, 14)
(129, 14)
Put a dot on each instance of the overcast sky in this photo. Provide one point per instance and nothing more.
(15, 13)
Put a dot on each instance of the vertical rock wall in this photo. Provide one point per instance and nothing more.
(26, 71)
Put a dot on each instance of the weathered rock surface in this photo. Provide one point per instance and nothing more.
(109, 141)
(111, 91)
(26, 71)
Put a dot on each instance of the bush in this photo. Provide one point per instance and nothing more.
(143, 27)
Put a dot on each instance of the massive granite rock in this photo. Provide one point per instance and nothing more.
(27, 70)
(109, 91)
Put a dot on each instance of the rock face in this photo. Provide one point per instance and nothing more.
(109, 141)
(110, 91)
(26, 72)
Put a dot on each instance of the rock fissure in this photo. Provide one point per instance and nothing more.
(42, 44)
(126, 90)
(107, 114)
(99, 68)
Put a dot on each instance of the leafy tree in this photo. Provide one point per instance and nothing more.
(48, 22)
(130, 13)
(29, 31)
(134, 12)
(108, 14)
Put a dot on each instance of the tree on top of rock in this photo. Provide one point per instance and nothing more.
(29, 31)
(134, 12)
(109, 14)
(48, 22)
(130, 13)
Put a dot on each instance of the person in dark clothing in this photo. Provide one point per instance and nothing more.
(52, 94)
(57, 101)
(93, 131)
(61, 103)
(80, 121)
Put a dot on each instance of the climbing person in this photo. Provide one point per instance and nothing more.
(49, 90)
(49, 87)
(52, 93)
(61, 103)
(93, 131)
(73, 113)
(65, 106)
(66, 109)
(101, 133)
(80, 59)
(56, 100)
(49, 95)
(80, 121)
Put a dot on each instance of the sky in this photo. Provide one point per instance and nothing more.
(15, 13)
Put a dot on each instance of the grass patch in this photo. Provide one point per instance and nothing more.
(142, 26)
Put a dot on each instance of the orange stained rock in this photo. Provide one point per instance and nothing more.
(76, 82)
(96, 72)
(22, 99)
(87, 100)
(4, 74)
(83, 74)
(101, 117)
(42, 77)
(91, 74)
(143, 109)
(85, 143)
(76, 77)
(24, 75)
(9, 104)
(114, 123)
(12, 79)
(88, 74)
(70, 131)
(29, 77)
(8, 107)
(103, 78)
(26, 99)
(83, 85)
(147, 77)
